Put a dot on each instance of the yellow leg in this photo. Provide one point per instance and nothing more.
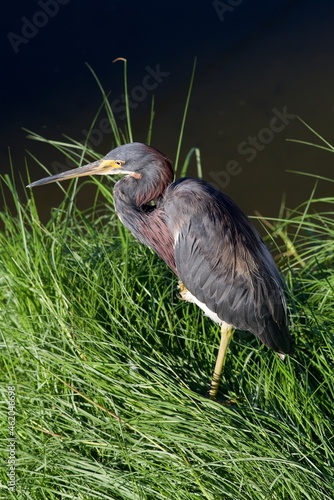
(226, 335)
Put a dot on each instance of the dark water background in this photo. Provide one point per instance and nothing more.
(256, 57)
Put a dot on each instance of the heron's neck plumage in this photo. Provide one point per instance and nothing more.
(146, 221)
(135, 194)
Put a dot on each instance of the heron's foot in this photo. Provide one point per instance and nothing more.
(214, 386)
(234, 401)
(183, 291)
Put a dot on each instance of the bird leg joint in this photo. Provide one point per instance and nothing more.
(183, 291)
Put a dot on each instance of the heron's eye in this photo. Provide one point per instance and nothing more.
(119, 163)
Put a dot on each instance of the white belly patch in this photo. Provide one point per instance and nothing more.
(189, 297)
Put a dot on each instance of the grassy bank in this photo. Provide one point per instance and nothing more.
(110, 370)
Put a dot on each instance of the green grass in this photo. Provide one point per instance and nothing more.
(111, 369)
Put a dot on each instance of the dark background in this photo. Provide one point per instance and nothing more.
(256, 56)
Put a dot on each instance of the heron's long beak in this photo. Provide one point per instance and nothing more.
(100, 167)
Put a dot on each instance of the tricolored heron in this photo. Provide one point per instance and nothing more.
(207, 241)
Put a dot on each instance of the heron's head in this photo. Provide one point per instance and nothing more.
(135, 160)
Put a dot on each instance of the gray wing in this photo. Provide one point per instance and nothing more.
(222, 261)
